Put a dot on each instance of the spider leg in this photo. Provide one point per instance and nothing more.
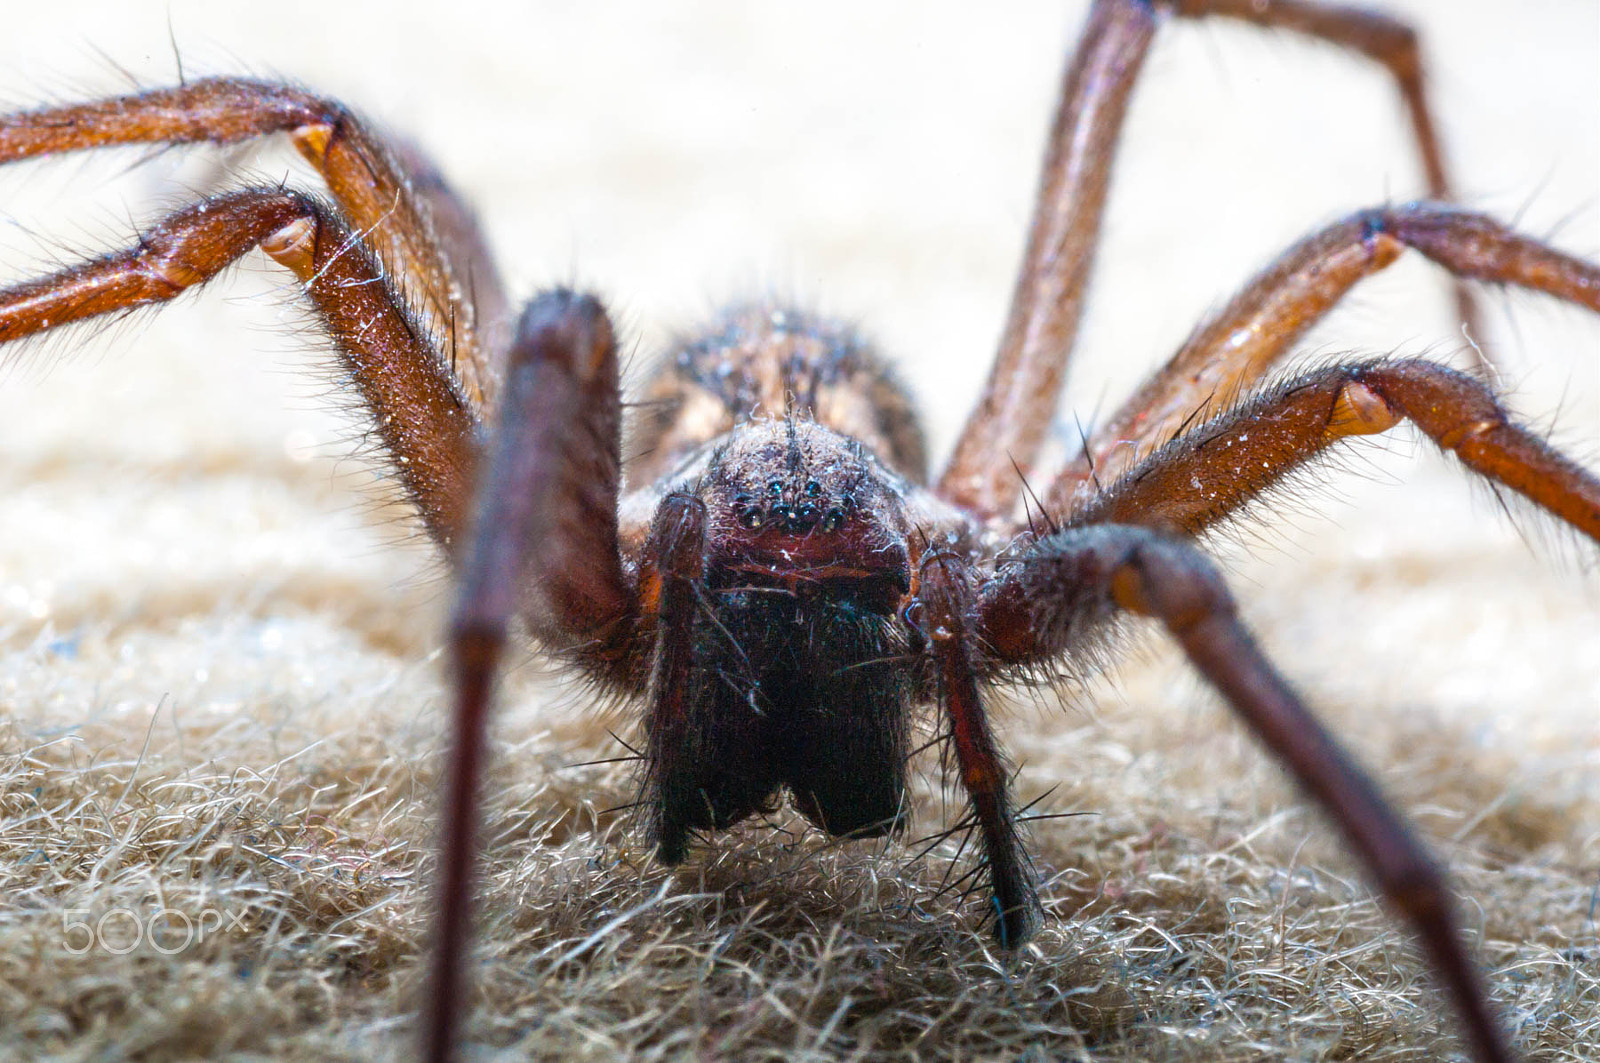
(1020, 396)
(1292, 294)
(388, 191)
(946, 597)
(1204, 476)
(1024, 385)
(545, 524)
(428, 429)
(1383, 39)
(1038, 607)
(674, 570)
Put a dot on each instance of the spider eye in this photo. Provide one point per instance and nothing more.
(813, 489)
(751, 518)
(832, 519)
(775, 488)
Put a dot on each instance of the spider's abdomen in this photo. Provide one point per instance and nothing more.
(764, 362)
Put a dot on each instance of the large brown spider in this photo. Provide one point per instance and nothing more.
(938, 578)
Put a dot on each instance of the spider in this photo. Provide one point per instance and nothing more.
(922, 599)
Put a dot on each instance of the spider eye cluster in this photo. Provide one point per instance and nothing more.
(795, 508)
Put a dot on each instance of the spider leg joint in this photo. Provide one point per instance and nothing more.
(312, 140)
(1360, 411)
(294, 246)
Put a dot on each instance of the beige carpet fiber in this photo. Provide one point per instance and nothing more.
(220, 693)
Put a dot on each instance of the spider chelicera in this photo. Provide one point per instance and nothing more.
(779, 584)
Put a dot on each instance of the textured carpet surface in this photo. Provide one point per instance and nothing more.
(220, 694)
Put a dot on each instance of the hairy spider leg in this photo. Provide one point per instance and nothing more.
(1039, 605)
(947, 599)
(1259, 326)
(544, 547)
(1023, 388)
(1007, 426)
(1392, 44)
(428, 429)
(387, 190)
(1243, 452)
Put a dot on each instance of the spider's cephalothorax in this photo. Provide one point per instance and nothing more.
(780, 585)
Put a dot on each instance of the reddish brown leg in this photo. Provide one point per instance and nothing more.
(1200, 478)
(1263, 321)
(426, 426)
(675, 569)
(481, 326)
(395, 198)
(1077, 579)
(1006, 428)
(546, 519)
(1384, 40)
(946, 597)
(1024, 384)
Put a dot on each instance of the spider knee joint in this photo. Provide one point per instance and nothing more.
(1175, 590)
(1377, 234)
(313, 139)
(1128, 589)
(570, 328)
(294, 246)
(1360, 411)
(944, 584)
